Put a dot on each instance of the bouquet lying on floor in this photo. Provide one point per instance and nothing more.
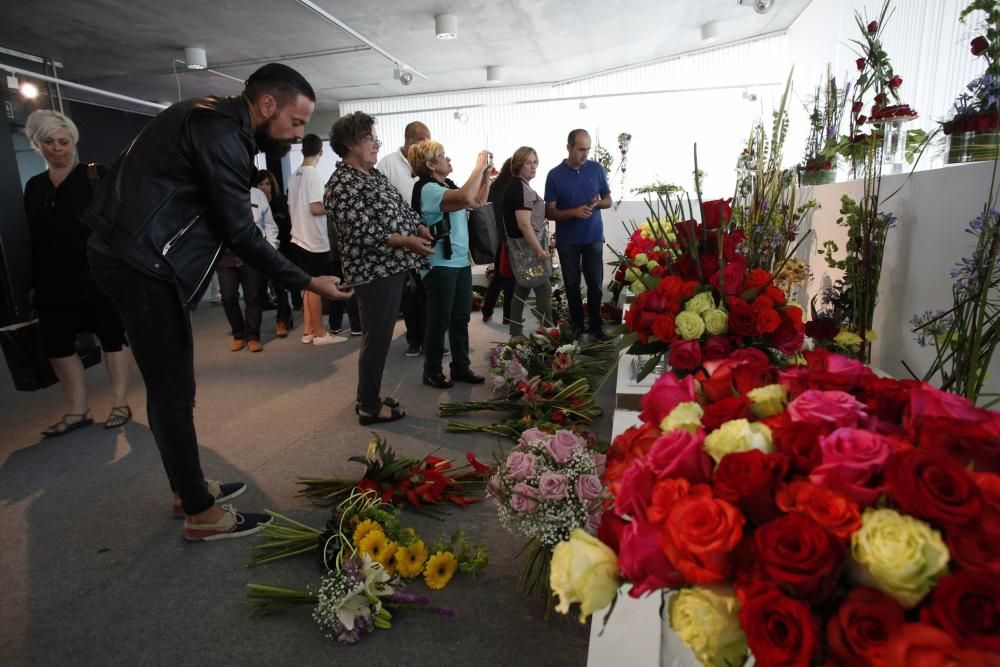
(549, 354)
(422, 484)
(366, 554)
(818, 513)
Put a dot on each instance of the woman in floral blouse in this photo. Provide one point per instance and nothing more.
(380, 239)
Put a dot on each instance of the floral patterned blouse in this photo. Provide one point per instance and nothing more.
(365, 210)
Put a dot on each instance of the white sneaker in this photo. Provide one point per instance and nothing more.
(328, 340)
(307, 338)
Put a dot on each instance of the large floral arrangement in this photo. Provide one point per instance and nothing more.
(819, 513)
(978, 109)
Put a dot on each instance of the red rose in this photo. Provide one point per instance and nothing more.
(718, 413)
(733, 276)
(742, 319)
(966, 605)
(666, 493)
(643, 562)
(895, 82)
(922, 645)
(780, 630)
(833, 371)
(663, 327)
(716, 213)
(979, 45)
(666, 393)
(635, 493)
(610, 530)
(989, 485)
(685, 355)
(716, 347)
(940, 420)
(699, 535)
(799, 441)
(798, 555)
(757, 279)
(680, 453)
(633, 444)
(768, 320)
(873, 27)
(886, 398)
(775, 295)
(930, 485)
(790, 335)
(879, 101)
(860, 62)
(821, 329)
(860, 120)
(748, 480)
(976, 547)
(859, 631)
(857, 106)
(834, 512)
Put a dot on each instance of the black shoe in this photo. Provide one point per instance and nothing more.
(438, 381)
(600, 335)
(467, 376)
(395, 414)
(413, 351)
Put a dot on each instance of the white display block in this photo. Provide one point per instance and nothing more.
(632, 635)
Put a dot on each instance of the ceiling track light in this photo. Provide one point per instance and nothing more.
(494, 75)
(759, 6)
(446, 26)
(29, 90)
(195, 58)
(583, 105)
(461, 116)
(403, 75)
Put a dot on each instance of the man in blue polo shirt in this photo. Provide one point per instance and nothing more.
(575, 191)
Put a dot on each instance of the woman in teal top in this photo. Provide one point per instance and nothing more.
(449, 281)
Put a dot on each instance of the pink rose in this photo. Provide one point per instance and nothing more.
(594, 522)
(852, 464)
(680, 454)
(521, 466)
(588, 487)
(552, 486)
(562, 445)
(534, 435)
(642, 560)
(636, 490)
(665, 394)
(827, 408)
(716, 347)
(524, 498)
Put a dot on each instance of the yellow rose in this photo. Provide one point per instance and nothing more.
(738, 435)
(632, 274)
(638, 287)
(705, 618)
(685, 416)
(768, 401)
(689, 325)
(716, 321)
(640, 259)
(583, 570)
(700, 303)
(897, 554)
(847, 338)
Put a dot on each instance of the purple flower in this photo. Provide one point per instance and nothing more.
(552, 486)
(562, 446)
(594, 522)
(599, 461)
(533, 435)
(523, 498)
(588, 487)
(521, 466)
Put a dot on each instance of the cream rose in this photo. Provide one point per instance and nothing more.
(768, 401)
(705, 618)
(738, 435)
(689, 325)
(584, 570)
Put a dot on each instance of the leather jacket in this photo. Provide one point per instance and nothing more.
(180, 194)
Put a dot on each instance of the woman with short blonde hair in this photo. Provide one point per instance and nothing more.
(422, 154)
(66, 298)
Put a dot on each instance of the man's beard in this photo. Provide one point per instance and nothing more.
(271, 145)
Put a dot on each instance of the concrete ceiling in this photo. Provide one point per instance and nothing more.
(128, 47)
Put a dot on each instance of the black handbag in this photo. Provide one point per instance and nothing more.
(29, 366)
(484, 238)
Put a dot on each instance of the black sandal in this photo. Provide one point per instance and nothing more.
(62, 427)
(395, 414)
(118, 417)
(388, 400)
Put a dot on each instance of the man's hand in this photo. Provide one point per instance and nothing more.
(425, 232)
(419, 244)
(583, 211)
(329, 287)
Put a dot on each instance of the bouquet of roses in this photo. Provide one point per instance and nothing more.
(421, 484)
(551, 354)
(858, 514)
(548, 485)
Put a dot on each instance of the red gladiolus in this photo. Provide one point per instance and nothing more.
(860, 62)
(861, 120)
(979, 45)
(873, 27)
(857, 106)
(896, 82)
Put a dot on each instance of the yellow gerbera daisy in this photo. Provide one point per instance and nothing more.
(410, 560)
(374, 544)
(387, 557)
(440, 569)
(363, 529)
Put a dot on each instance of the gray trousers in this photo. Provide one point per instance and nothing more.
(379, 305)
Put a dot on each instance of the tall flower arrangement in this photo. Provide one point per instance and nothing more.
(819, 165)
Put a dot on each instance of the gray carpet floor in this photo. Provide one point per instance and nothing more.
(93, 569)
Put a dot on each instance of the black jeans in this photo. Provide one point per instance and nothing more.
(234, 273)
(159, 330)
(590, 259)
(499, 284)
(339, 308)
(379, 305)
(449, 305)
(414, 308)
(284, 314)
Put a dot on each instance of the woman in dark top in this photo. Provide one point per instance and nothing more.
(524, 217)
(268, 184)
(64, 295)
(499, 282)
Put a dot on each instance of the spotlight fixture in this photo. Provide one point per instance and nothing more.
(404, 75)
(29, 90)
(759, 6)
(446, 26)
(494, 75)
(195, 58)
(461, 116)
(583, 105)
(749, 96)
(709, 32)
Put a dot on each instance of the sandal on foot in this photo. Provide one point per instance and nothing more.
(388, 400)
(395, 414)
(63, 426)
(118, 417)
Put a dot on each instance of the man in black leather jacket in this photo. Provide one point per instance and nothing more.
(162, 216)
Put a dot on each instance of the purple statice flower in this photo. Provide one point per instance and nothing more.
(831, 131)
(401, 597)
(445, 612)
(362, 626)
(494, 357)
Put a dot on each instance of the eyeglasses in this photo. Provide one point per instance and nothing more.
(372, 139)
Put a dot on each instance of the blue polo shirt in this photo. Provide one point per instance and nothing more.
(568, 188)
